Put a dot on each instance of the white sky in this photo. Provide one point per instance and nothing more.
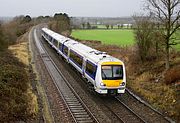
(85, 8)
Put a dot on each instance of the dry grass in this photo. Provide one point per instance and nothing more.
(20, 50)
(32, 103)
(149, 81)
(159, 95)
(145, 77)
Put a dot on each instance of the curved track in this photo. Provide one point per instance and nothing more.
(122, 109)
(142, 108)
(77, 108)
(131, 112)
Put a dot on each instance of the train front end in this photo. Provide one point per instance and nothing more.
(111, 78)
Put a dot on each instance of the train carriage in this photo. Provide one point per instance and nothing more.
(104, 73)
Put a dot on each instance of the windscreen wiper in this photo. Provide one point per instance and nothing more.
(104, 74)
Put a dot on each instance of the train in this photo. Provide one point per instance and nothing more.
(103, 73)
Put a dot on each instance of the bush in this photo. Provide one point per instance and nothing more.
(3, 43)
(7, 58)
(61, 24)
(14, 76)
(15, 28)
(172, 75)
(15, 96)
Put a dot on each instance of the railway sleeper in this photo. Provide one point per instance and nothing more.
(87, 121)
(79, 113)
(72, 101)
(78, 110)
(69, 95)
(83, 119)
(72, 104)
(83, 115)
(75, 102)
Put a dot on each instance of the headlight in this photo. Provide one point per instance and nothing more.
(102, 84)
(123, 84)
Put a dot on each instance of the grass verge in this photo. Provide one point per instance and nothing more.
(45, 109)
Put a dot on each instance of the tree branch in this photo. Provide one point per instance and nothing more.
(158, 8)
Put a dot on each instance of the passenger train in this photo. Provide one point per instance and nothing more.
(104, 73)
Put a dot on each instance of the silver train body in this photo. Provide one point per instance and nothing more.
(104, 73)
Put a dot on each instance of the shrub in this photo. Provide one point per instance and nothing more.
(3, 43)
(17, 101)
(172, 75)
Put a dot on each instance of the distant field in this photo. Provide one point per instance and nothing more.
(116, 37)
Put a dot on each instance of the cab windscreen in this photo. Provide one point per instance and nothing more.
(112, 72)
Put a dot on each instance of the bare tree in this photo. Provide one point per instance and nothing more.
(144, 35)
(168, 14)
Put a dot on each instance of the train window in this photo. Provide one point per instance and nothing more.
(76, 58)
(65, 50)
(91, 69)
(55, 42)
(50, 38)
(112, 72)
(60, 46)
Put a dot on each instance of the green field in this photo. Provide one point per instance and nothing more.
(121, 37)
(115, 37)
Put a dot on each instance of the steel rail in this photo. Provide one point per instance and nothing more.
(149, 106)
(79, 111)
(131, 110)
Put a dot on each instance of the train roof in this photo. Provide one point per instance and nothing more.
(55, 35)
(93, 55)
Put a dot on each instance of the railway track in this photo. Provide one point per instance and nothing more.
(121, 112)
(126, 112)
(142, 109)
(77, 108)
(132, 113)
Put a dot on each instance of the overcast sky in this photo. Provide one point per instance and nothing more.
(87, 8)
